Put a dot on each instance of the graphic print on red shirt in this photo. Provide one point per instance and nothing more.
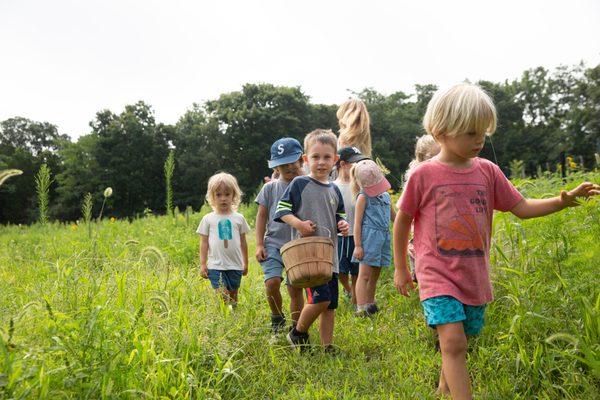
(461, 220)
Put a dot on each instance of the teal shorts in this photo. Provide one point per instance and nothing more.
(443, 310)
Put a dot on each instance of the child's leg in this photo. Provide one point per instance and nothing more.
(353, 287)
(364, 275)
(218, 283)
(453, 344)
(320, 298)
(326, 323)
(272, 287)
(233, 296)
(328, 316)
(309, 314)
(344, 249)
(296, 303)
(442, 385)
(223, 294)
(344, 280)
(372, 284)
(232, 279)
(272, 268)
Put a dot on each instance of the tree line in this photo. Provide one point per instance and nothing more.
(541, 115)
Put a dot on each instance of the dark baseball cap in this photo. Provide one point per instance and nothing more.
(351, 155)
(284, 151)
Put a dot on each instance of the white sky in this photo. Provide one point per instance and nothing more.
(62, 61)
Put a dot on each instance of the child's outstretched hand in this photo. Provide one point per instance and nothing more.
(306, 228)
(586, 189)
(403, 282)
(344, 227)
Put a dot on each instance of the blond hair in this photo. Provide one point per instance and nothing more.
(227, 181)
(323, 136)
(355, 126)
(460, 109)
(354, 182)
(425, 148)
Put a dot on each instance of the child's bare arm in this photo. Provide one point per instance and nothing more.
(204, 256)
(244, 246)
(306, 228)
(392, 213)
(531, 208)
(261, 227)
(402, 279)
(359, 211)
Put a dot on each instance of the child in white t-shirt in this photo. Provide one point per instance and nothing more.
(223, 247)
(348, 156)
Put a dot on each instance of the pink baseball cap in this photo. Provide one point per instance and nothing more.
(371, 178)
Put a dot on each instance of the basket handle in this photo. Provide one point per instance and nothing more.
(323, 227)
(318, 227)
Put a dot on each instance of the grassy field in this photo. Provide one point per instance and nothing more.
(125, 314)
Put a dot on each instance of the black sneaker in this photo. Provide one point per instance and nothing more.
(372, 309)
(298, 340)
(332, 350)
(277, 323)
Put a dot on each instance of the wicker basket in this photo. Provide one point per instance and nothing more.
(308, 261)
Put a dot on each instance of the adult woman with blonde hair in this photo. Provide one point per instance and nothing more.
(355, 130)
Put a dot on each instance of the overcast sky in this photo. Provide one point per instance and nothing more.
(62, 61)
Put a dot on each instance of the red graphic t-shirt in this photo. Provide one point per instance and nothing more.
(453, 210)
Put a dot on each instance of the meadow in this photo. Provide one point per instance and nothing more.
(118, 309)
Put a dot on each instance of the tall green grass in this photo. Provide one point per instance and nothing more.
(128, 316)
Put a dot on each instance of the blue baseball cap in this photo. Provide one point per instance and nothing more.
(284, 151)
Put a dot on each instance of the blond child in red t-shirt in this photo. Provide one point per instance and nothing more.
(451, 199)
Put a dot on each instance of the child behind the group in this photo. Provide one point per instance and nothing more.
(348, 156)
(355, 126)
(286, 160)
(371, 231)
(452, 198)
(425, 148)
(312, 204)
(223, 247)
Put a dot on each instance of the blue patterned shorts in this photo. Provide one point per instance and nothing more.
(446, 310)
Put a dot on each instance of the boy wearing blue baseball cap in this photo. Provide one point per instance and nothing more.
(286, 160)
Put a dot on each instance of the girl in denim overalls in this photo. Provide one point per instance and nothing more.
(372, 237)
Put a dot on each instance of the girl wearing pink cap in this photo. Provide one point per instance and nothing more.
(372, 237)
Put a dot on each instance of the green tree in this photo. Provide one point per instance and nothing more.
(26, 145)
(130, 152)
(583, 117)
(251, 120)
(80, 175)
(200, 151)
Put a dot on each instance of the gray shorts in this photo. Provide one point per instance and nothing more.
(273, 266)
